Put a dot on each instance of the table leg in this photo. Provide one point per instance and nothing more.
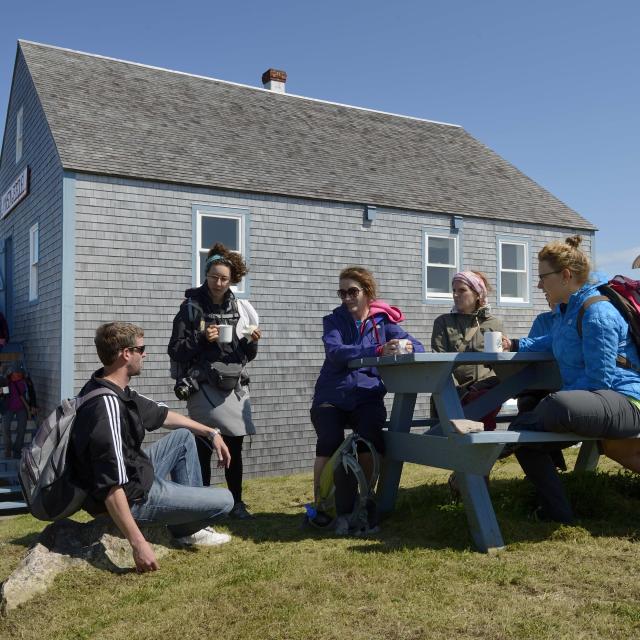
(481, 517)
(475, 495)
(588, 456)
(400, 421)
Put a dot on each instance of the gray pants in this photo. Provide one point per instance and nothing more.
(602, 414)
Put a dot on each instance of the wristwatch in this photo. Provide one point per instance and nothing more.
(215, 432)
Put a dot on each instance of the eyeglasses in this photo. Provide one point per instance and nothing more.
(139, 349)
(220, 279)
(542, 276)
(352, 292)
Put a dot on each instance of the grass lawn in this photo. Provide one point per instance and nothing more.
(419, 578)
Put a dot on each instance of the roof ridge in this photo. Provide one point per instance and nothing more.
(239, 84)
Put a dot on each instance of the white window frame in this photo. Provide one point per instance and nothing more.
(510, 300)
(19, 133)
(447, 235)
(239, 216)
(34, 260)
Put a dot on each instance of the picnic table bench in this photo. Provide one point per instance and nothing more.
(472, 455)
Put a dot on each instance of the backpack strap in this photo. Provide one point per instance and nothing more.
(80, 400)
(621, 361)
(192, 308)
(585, 305)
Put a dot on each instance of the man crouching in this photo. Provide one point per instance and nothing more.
(161, 484)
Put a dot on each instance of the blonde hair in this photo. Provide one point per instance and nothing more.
(566, 255)
(113, 337)
(364, 278)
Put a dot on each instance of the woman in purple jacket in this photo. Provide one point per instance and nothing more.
(344, 398)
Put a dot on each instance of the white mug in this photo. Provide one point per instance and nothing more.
(493, 341)
(5, 390)
(225, 333)
(402, 345)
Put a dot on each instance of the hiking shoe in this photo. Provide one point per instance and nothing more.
(366, 531)
(240, 512)
(341, 527)
(207, 537)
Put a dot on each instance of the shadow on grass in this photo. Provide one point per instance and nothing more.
(425, 516)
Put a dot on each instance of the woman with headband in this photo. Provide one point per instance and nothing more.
(211, 365)
(462, 329)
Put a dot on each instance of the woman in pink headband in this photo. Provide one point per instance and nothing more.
(463, 328)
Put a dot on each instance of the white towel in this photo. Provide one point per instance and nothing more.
(248, 315)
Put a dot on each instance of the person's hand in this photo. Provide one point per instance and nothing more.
(211, 333)
(224, 457)
(506, 344)
(144, 557)
(256, 335)
(391, 348)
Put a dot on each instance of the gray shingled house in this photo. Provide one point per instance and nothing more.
(115, 178)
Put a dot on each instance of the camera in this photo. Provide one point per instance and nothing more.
(187, 386)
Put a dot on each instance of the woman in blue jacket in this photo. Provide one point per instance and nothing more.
(344, 398)
(599, 398)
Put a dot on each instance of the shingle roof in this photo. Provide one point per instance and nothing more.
(125, 119)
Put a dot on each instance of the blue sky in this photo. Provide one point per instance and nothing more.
(553, 87)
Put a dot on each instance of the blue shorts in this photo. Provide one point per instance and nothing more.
(367, 420)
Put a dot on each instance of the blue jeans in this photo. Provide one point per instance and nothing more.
(181, 503)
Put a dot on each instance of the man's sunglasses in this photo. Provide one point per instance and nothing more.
(139, 349)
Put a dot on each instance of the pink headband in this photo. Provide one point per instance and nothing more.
(474, 282)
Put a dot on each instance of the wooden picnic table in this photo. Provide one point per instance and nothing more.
(473, 455)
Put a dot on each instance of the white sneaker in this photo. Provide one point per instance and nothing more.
(207, 537)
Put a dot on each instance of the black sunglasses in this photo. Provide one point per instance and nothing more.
(352, 292)
(140, 349)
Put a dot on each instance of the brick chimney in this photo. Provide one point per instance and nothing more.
(274, 80)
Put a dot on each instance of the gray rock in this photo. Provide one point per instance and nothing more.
(66, 543)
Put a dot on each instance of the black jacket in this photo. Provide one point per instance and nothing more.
(188, 343)
(106, 443)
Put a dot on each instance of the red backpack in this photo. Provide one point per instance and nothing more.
(624, 294)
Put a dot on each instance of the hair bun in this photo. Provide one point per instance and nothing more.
(574, 241)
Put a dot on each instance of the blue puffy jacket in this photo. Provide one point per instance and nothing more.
(337, 384)
(589, 363)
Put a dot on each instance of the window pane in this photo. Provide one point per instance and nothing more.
(441, 251)
(439, 279)
(223, 230)
(513, 256)
(513, 285)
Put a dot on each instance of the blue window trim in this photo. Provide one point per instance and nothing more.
(243, 213)
(514, 239)
(442, 232)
